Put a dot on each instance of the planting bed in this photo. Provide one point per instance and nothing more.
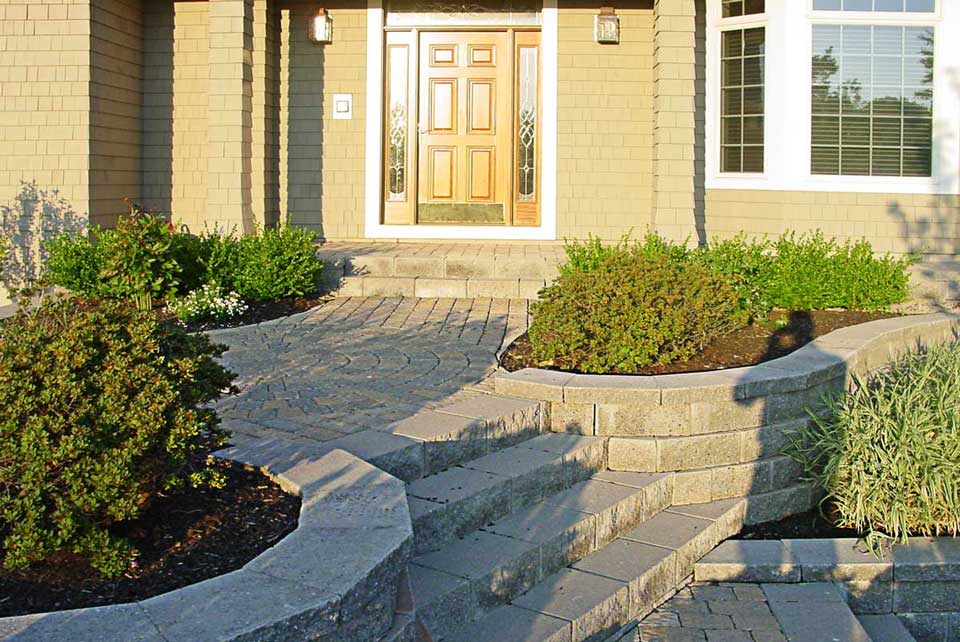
(257, 312)
(181, 539)
(779, 335)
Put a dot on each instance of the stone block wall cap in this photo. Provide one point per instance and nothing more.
(830, 356)
(353, 540)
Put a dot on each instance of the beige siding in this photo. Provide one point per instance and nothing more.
(322, 159)
(896, 223)
(605, 125)
(115, 97)
(175, 90)
(44, 127)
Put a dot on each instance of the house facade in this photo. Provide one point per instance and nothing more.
(506, 120)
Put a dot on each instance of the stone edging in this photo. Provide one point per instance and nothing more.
(723, 432)
(919, 582)
(856, 349)
(334, 578)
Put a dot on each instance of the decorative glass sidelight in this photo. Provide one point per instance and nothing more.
(398, 109)
(527, 125)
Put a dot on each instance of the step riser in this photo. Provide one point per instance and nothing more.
(429, 287)
(454, 520)
(479, 596)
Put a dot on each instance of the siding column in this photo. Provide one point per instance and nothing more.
(230, 113)
(674, 166)
(265, 186)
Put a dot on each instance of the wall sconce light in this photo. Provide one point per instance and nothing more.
(321, 28)
(606, 27)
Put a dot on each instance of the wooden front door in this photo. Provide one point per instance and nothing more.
(462, 123)
(465, 128)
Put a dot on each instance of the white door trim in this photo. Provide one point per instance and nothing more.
(373, 226)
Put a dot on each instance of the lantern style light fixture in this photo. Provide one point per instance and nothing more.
(321, 28)
(606, 27)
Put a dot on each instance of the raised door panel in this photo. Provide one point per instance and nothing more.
(483, 171)
(482, 106)
(442, 173)
(443, 106)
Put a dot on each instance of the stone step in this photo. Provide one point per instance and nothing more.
(459, 500)
(433, 440)
(599, 596)
(491, 566)
(885, 628)
(440, 287)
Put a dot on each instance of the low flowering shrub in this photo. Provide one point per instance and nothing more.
(103, 408)
(632, 311)
(208, 302)
(888, 453)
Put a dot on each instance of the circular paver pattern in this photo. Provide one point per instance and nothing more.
(355, 364)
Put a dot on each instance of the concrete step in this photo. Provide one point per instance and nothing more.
(885, 628)
(602, 594)
(469, 427)
(461, 499)
(491, 566)
(441, 287)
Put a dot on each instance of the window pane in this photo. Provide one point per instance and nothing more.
(917, 162)
(827, 5)
(742, 101)
(397, 99)
(734, 8)
(921, 6)
(888, 5)
(826, 130)
(826, 160)
(886, 162)
(857, 5)
(879, 80)
(527, 121)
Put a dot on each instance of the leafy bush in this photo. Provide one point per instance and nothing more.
(76, 262)
(888, 453)
(630, 312)
(141, 266)
(103, 408)
(796, 272)
(144, 260)
(208, 302)
(811, 272)
(275, 264)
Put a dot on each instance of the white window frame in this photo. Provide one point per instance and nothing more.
(787, 109)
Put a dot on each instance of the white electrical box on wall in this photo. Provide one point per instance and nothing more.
(343, 106)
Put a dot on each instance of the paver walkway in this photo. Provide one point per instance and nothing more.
(359, 363)
(713, 613)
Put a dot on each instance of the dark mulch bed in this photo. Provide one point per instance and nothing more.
(813, 524)
(181, 539)
(779, 335)
(257, 313)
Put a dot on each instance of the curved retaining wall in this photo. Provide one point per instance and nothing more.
(722, 432)
(334, 579)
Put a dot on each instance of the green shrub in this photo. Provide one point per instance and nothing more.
(746, 265)
(888, 453)
(141, 266)
(76, 262)
(275, 264)
(103, 408)
(811, 272)
(589, 255)
(630, 312)
(144, 260)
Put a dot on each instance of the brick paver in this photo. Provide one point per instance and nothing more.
(713, 613)
(359, 363)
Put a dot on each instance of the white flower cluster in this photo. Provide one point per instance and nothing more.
(209, 302)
